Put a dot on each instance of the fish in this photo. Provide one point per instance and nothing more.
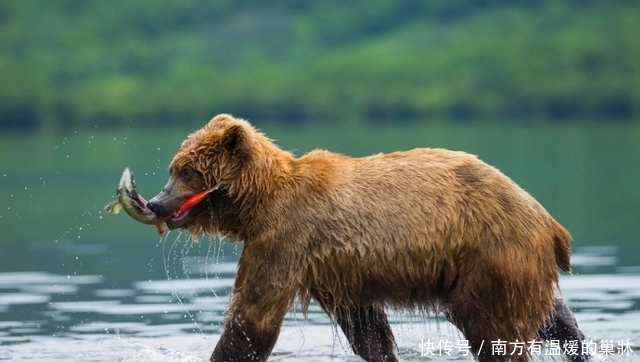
(133, 204)
(193, 200)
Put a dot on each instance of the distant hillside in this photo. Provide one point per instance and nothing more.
(69, 64)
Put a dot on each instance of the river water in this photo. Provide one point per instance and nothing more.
(164, 302)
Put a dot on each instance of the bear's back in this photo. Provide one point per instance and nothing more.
(410, 222)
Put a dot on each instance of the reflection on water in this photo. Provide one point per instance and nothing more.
(122, 302)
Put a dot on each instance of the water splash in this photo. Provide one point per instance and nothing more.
(166, 259)
(159, 354)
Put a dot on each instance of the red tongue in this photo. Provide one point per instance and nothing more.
(192, 201)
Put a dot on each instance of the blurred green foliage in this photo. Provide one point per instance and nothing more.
(528, 85)
(68, 64)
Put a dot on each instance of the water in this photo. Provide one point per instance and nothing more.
(118, 301)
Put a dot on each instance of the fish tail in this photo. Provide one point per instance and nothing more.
(113, 207)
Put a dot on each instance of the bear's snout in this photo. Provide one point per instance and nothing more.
(157, 208)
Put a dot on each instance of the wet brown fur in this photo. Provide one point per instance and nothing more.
(422, 230)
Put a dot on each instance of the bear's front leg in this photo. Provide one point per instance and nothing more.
(263, 292)
(243, 340)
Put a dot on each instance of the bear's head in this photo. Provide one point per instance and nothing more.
(225, 156)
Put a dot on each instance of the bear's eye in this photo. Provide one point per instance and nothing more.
(186, 173)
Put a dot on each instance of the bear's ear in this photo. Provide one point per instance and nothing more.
(236, 139)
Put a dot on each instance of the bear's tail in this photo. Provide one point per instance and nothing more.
(562, 240)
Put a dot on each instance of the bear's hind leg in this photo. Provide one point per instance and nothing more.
(563, 327)
(474, 328)
(368, 332)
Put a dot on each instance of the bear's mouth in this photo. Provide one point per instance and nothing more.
(179, 217)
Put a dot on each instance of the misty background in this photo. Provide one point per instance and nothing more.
(547, 91)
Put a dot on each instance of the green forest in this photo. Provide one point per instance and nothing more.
(75, 64)
(547, 91)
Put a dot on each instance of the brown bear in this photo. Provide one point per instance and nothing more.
(426, 230)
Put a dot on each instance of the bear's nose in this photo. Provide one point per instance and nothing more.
(156, 208)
